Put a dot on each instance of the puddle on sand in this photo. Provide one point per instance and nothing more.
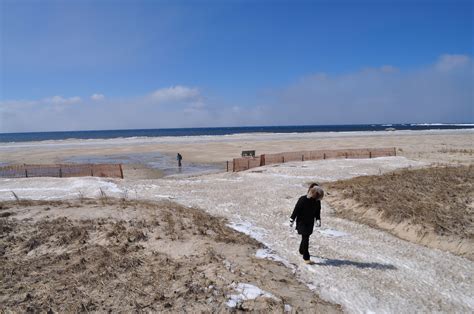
(165, 163)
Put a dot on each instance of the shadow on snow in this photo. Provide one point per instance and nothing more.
(343, 262)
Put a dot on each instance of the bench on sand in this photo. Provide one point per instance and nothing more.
(248, 153)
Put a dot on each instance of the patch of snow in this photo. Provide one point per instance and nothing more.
(164, 196)
(58, 188)
(247, 292)
(232, 302)
(247, 228)
(266, 253)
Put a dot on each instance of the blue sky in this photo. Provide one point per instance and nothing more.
(233, 62)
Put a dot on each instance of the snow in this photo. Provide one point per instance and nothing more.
(247, 228)
(361, 268)
(266, 253)
(55, 188)
(247, 292)
(332, 233)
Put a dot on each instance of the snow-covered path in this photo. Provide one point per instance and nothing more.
(359, 267)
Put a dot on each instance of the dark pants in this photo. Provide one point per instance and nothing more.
(179, 162)
(304, 246)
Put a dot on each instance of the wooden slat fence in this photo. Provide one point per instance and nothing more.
(245, 163)
(62, 171)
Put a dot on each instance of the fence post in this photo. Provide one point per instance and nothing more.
(324, 155)
(92, 171)
(394, 151)
(283, 159)
(302, 157)
(248, 163)
(121, 170)
(227, 166)
(233, 165)
(346, 154)
(26, 173)
(60, 172)
(370, 154)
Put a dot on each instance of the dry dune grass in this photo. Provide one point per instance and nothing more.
(125, 255)
(438, 200)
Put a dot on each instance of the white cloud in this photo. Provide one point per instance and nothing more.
(449, 62)
(183, 107)
(97, 97)
(440, 92)
(175, 94)
(59, 100)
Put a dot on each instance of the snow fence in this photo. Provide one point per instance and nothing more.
(62, 171)
(245, 163)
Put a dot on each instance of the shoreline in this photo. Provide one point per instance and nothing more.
(434, 146)
(234, 136)
(232, 130)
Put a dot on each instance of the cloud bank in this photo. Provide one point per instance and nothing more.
(439, 92)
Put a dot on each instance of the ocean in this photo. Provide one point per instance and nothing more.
(107, 134)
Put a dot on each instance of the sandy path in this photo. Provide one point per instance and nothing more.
(359, 267)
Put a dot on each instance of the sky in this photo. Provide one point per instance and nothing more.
(123, 64)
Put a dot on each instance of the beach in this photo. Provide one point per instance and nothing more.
(236, 156)
(355, 266)
(436, 146)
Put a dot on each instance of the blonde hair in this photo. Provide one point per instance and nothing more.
(316, 192)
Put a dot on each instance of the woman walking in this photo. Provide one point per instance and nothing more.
(306, 212)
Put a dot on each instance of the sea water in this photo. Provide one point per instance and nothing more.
(106, 134)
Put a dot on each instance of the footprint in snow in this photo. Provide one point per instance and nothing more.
(332, 233)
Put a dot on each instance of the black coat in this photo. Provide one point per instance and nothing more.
(306, 211)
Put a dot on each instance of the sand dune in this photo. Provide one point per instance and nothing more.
(359, 267)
